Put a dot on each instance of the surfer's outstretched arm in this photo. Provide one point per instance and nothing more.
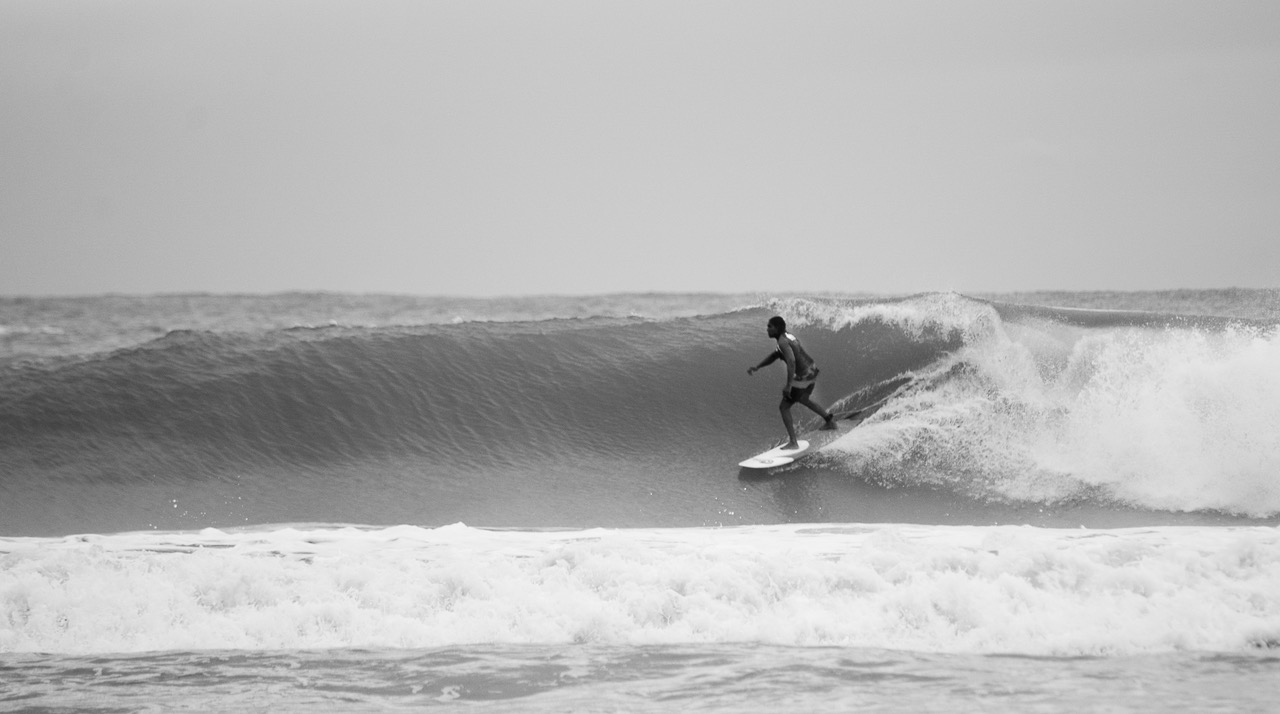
(773, 357)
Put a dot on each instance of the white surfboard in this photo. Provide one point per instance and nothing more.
(844, 421)
(777, 456)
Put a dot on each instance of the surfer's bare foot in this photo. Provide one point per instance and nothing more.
(790, 446)
(830, 423)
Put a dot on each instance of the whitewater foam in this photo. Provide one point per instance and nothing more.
(936, 589)
(918, 316)
(1161, 418)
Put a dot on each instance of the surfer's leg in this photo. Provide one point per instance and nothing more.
(805, 397)
(785, 409)
(828, 419)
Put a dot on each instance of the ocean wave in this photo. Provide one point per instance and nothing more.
(1008, 404)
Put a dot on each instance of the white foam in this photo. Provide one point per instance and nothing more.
(1176, 419)
(916, 316)
(924, 588)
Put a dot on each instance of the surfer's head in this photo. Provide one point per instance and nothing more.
(777, 326)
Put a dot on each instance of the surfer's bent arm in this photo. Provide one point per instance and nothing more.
(773, 357)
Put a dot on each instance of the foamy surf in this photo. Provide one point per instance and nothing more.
(975, 590)
(1035, 410)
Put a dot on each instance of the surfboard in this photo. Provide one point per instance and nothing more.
(777, 456)
(845, 420)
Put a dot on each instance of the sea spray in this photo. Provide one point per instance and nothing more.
(1156, 417)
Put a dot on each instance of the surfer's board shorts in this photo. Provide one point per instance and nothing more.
(798, 393)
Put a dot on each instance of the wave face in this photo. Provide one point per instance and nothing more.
(999, 412)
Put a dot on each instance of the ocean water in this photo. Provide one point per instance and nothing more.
(1070, 502)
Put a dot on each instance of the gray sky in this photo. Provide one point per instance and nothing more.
(491, 148)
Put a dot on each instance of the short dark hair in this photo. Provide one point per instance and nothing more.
(778, 322)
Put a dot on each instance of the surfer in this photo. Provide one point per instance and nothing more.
(801, 373)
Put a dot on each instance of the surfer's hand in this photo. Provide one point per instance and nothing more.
(751, 370)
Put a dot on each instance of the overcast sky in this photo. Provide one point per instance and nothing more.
(504, 148)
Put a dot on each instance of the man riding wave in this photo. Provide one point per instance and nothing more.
(801, 374)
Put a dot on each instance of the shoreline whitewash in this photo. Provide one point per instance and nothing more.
(944, 589)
